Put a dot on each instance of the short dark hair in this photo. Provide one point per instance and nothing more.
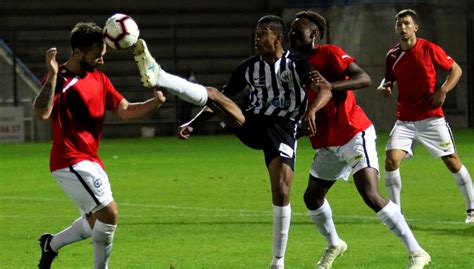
(275, 23)
(407, 12)
(85, 35)
(315, 18)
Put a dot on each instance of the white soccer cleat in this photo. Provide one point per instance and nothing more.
(418, 260)
(147, 66)
(470, 217)
(330, 254)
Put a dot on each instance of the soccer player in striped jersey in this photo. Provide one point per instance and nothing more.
(74, 97)
(276, 102)
(413, 65)
(344, 138)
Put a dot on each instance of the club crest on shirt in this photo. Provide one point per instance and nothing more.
(286, 76)
(97, 183)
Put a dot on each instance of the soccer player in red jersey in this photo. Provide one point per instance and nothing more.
(344, 138)
(413, 64)
(75, 96)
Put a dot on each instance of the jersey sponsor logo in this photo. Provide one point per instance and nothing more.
(280, 102)
(286, 76)
(259, 82)
(97, 183)
(286, 151)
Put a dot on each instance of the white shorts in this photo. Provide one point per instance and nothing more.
(87, 184)
(433, 133)
(332, 163)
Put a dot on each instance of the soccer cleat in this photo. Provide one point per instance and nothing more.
(418, 260)
(274, 266)
(47, 254)
(147, 66)
(330, 254)
(470, 216)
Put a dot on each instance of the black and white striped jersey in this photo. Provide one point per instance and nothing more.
(276, 89)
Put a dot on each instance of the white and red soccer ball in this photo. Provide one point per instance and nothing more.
(121, 31)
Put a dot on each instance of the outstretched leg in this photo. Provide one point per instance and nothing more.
(152, 75)
(367, 185)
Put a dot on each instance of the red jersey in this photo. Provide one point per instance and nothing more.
(78, 115)
(341, 119)
(414, 70)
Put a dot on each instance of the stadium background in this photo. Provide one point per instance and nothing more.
(212, 37)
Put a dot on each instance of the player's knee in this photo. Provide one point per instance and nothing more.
(312, 200)
(213, 93)
(391, 164)
(452, 162)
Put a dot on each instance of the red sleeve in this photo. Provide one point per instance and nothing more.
(440, 58)
(112, 96)
(339, 59)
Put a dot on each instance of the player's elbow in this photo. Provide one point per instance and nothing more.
(41, 113)
(365, 81)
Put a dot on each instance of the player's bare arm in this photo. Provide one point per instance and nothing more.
(323, 88)
(358, 79)
(126, 110)
(452, 79)
(43, 104)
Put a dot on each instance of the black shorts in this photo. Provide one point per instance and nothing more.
(275, 136)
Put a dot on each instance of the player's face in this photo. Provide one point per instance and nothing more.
(265, 40)
(301, 39)
(406, 27)
(93, 57)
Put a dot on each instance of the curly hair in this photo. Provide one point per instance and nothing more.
(315, 18)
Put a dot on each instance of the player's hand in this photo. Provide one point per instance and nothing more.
(160, 97)
(437, 99)
(185, 132)
(51, 62)
(318, 82)
(385, 90)
(309, 123)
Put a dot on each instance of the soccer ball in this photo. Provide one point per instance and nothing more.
(121, 31)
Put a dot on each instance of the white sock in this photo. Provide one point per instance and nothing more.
(185, 90)
(102, 237)
(322, 217)
(78, 231)
(393, 182)
(281, 226)
(394, 220)
(464, 182)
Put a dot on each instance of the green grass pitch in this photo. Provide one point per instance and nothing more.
(205, 203)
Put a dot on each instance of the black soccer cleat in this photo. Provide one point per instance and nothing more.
(47, 254)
